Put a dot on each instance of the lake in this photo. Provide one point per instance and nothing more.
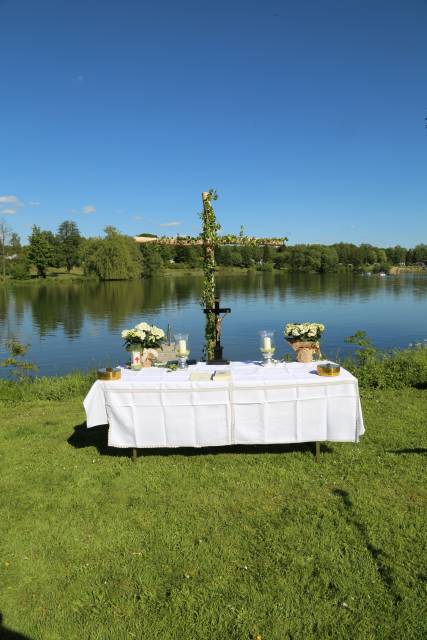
(77, 325)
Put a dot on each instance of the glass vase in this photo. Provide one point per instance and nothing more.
(135, 359)
(181, 349)
(267, 347)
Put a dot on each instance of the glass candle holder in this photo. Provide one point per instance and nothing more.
(267, 347)
(181, 349)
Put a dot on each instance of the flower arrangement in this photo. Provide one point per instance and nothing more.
(304, 331)
(143, 336)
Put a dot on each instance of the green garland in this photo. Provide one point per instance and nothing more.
(230, 239)
(209, 238)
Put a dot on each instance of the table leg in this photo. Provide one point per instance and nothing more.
(317, 451)
(134, 454)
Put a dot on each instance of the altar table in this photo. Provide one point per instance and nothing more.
(285, 403)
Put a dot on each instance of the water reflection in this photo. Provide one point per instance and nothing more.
(335, 286)
(90, 315)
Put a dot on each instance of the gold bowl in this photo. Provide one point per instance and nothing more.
(328, 369)
(109, 373)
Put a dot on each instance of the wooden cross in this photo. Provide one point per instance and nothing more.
(209, 238)
(216, 311)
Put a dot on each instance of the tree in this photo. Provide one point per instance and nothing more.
(5, 234)
(194, 258)
(69, 241)
(52, 240)
(236, 257)
(329, 259)
(420, 253)
(167, 253)
(115, 257)
(368, 254)
(267, 255)
(40, 251)
(15, 244)
(223, 256)
(152, 259)
(396, 255)
(280, 260)
(305, 258)
(246, 256)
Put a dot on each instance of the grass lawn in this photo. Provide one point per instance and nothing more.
(220, 544)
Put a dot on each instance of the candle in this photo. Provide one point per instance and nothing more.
(267, 343)
(182, 347)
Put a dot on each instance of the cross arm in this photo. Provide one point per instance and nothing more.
(217, 311)
(251, 241)
(220, 240)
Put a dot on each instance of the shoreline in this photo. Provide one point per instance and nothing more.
(75, 278)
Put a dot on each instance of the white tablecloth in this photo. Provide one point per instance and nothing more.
(258, 405)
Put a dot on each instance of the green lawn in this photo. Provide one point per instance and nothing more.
(218, 545)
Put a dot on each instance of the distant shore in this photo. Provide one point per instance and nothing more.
(394, 271)
(61, 276)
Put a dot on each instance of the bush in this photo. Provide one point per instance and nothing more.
(267, 266)
(395, 369)
(382, 267)
(19, 269)
(14, 362)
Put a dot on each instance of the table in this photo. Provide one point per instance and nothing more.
(285, 403)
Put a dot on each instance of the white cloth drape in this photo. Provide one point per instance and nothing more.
(258, 405)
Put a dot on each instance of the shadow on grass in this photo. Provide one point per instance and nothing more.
(95, 437)
(379, 557)
(8, 634)
(98, 437)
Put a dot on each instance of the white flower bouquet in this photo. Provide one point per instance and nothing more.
(304, 339)
(143, 336)
(304, 331)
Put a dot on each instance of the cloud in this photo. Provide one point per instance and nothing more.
(89, 208)
(137, 218)
(8, 212)
(13, 200)
(174, 223)
(79, 79)
(34, 203)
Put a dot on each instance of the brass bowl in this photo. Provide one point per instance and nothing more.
(328, 369)
(109, 373)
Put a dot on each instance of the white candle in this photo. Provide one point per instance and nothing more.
(182, 347)
(267, 343)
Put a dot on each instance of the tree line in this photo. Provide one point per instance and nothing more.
(116, 256)
(301, 257)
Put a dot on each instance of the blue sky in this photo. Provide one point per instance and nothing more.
(307, 117)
